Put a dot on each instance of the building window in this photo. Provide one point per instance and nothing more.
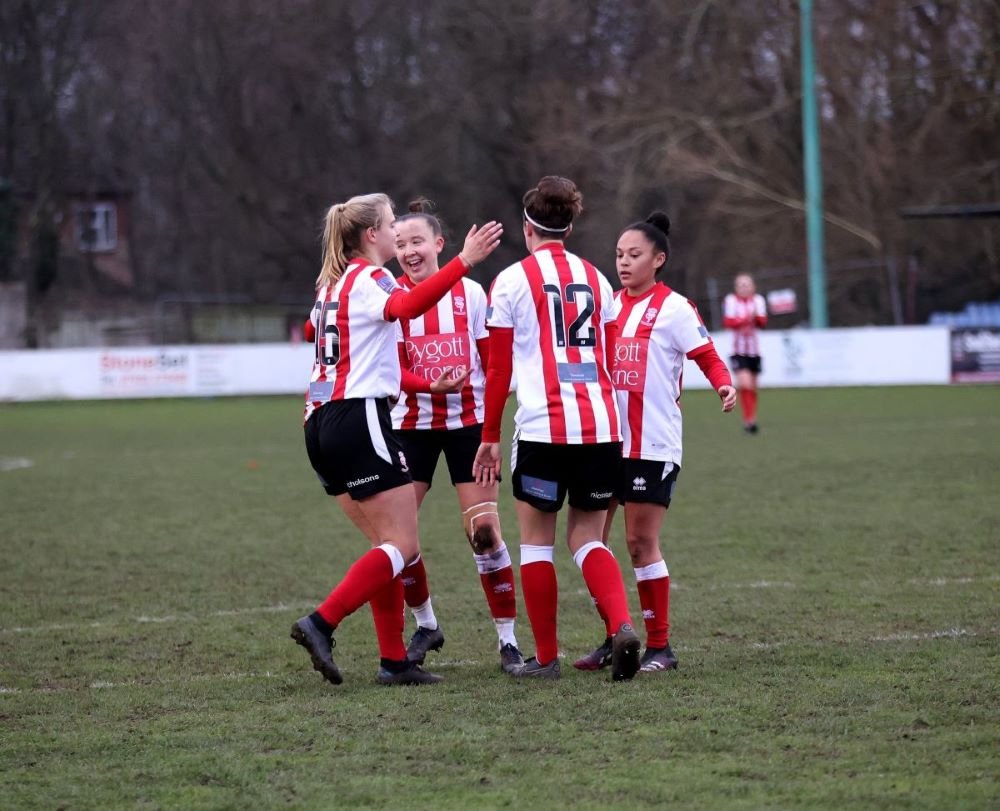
(97, 227)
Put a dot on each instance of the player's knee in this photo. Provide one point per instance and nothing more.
(482, 526)
(409, 548)
(485, 536)
(640, 547)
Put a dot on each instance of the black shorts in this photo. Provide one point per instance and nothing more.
(750, 363)
(646, 481)
(544, 474)
(459, 446)
(353, 449)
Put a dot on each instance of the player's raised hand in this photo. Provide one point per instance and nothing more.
(481, 242)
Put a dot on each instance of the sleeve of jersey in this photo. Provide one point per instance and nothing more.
(498, 374)
(309, 331)
(610, 339)
(500, 310)
(483, 347)
(410, 381)
(688, 330)
(734, 323)
(612, 304)
(421, 297)
(477, 324)
(711, 365)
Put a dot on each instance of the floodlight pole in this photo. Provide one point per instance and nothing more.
(813, 174)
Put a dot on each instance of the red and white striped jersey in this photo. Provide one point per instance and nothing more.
(558, 305)
(746, 311)
(655, 333)
(356, 354)
(443, 341)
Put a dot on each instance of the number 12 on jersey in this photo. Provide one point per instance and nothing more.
(580, 332)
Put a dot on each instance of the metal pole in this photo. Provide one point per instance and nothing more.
(712, 289)
(813, 175)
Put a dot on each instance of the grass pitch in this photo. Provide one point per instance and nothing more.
(835, 612)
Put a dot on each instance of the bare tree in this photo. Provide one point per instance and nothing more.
(236, 123)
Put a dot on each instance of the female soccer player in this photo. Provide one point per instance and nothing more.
(657, 329)
(744, 312)
(552, 322)
(449, 340)
(348, 430)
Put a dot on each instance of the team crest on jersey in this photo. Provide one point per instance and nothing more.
(650, 315)
(459, 305)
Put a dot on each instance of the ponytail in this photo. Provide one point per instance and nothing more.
(342, 228)
(334, 260)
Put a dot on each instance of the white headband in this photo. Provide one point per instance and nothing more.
(544, 227)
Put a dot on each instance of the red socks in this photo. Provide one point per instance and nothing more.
(495, 574)
(604, 581)
(748, 405)
(500, 593)
(387, 611)
(541, 599)
(541, 592)
(653, 583)
(367, 576)
(414, 579)
(497, 578)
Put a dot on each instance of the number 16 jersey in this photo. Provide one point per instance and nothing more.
(356, 354)
(558, 305)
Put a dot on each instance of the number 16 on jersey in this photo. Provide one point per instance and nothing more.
(328, 335)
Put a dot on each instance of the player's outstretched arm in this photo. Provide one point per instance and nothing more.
(479, 243)
(716, 373)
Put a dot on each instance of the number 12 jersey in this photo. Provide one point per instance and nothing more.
(558, 305)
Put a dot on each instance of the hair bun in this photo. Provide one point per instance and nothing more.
(554, 203)
(421, 206)
(659, 220)
(561, 191)
(556, 186)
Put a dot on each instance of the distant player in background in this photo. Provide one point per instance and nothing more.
(348, 431)
(744, 312)
(552, 320)
(657, 329)
(450, 339)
